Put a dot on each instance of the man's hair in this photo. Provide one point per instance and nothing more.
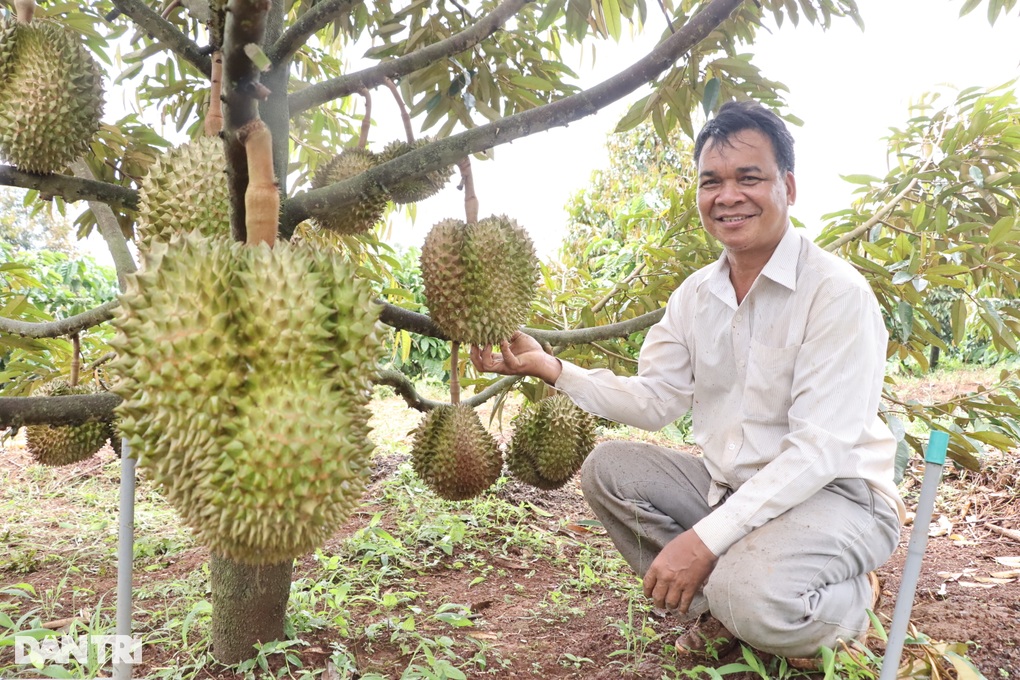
(735, 117)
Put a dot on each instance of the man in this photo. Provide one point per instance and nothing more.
(778, 348)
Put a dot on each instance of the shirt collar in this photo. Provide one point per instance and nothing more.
(781, 268)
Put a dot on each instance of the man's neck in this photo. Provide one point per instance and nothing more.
(744, 270)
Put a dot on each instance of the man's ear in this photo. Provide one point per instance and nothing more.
(791, 188)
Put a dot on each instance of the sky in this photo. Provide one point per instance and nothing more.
(848, 87)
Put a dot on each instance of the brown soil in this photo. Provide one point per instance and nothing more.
(529, 635)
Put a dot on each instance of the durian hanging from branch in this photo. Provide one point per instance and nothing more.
(51, 93)
(186, 188)
(363, 214)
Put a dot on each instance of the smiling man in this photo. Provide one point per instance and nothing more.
(778, 350)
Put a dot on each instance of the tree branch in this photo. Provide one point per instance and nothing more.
(16, 412)
(343, 86)
(55, 329)
(405, 389)
(875, 219)
(109, 228)
(561, 112)
(162, 30)
(69, 188)
(245, 24)
(316, 18)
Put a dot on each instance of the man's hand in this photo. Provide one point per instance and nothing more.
(679, 571)
(522, 355)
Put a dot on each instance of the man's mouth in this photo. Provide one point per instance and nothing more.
(732, 219)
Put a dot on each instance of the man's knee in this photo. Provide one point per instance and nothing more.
(597, 468)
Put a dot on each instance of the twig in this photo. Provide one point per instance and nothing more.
(1008, 533)
(54, 329)
(404, 115)
(100, 361)
(366, 122)
(109, 227)
(879, 214)
(669, 19)
(467, 182)
(307, 25)
(165, 14)
(343, 86)
(165, 32)
(405, 389)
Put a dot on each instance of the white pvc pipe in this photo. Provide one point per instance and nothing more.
(125, 554)
(935, 458)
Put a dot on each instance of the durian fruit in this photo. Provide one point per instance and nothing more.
(417, 188)
(454, 454)
(245, 376)
(51, 96)
(186, 188)
(550, 442)
(362, 215)
(479, 278)
(8, 29)
(66, 444)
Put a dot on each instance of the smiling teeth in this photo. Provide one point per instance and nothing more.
(731, 219)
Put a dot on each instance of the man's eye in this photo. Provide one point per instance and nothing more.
(709, 183)
(750, 180)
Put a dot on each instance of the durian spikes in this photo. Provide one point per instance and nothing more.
(551, 439)
(479, 278)
(454, 454)
(262, 197)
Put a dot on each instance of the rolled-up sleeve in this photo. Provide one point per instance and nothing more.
(661, 391)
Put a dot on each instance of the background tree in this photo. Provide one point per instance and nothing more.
(477, 76)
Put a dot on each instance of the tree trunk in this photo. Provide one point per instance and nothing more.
(933, 357)
(248, 606)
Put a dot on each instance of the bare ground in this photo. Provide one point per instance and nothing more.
(521, 628)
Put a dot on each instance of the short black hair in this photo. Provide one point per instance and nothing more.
(734, 117)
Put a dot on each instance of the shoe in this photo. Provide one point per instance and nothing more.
(814, 663)
(706, 638)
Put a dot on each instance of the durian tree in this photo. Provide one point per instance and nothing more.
(247, 334)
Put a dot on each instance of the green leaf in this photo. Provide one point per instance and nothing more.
(614, 25)
(976, 175)
(532, 83)
(969, 7)
(711, 97)
(1001, 231)
(905, 320)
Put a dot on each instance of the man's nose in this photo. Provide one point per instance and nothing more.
(729, 193)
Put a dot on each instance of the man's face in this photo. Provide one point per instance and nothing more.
(743, 198)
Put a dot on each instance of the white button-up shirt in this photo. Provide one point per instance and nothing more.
(784, 388)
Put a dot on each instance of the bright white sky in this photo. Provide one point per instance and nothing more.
(847, 86)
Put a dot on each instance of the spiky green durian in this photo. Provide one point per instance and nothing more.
(8, 29)
(66, 444)
(417, 188)
(51, 97)
(479, 278)
(454, 454)
(185, 189)
(362, 215)
(550, 442)
(245, 376)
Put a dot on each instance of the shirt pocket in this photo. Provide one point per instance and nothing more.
(768, 389)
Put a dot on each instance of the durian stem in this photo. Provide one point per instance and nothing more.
(467, 182)
(170, 8)
(455, 372)
(404, 116)
(214, 116)
(75, 359)
(366, 122)
(262, 197)
(25, 10)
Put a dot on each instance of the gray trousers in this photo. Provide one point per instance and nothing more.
(791, 586)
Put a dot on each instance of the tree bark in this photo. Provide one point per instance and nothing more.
(248, 606)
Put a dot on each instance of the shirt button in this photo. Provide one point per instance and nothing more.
(732, 446)
(742, 363)
(738, 317)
